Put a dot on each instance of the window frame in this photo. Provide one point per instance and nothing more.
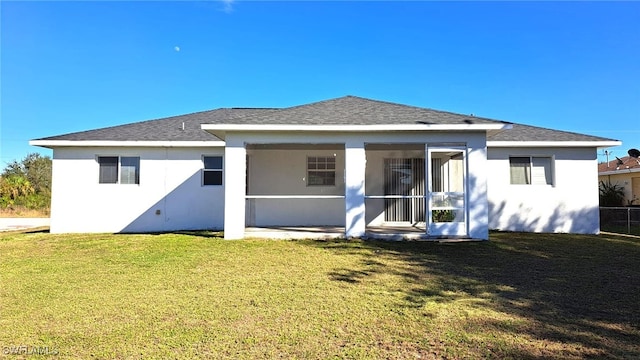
(118, 170)
(322, 168)
(550, 179)
(206, 170)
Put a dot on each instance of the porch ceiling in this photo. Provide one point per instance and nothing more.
(340, 146)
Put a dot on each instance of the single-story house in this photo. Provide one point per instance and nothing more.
(624, 172)
(361, 166)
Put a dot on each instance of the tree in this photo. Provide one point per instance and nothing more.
(26, 184)
(35, 168)
(13, 187)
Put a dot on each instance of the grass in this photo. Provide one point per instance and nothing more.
(622, 229)
(193, 295)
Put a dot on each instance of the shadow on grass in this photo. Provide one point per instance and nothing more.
(196, 233)
(38, 230)
(575, 289)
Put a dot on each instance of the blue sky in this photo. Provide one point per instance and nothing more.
(72, 66)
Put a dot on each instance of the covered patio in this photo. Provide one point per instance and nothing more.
(392, 187)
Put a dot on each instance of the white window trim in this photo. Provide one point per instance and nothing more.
(306, 166)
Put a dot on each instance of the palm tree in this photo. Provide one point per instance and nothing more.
(14, 187)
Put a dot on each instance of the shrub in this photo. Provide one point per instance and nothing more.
(611, 194)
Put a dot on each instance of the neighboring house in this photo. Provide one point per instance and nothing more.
(357, 164)
(624, 172)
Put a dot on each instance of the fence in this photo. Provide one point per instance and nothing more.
(624, 220)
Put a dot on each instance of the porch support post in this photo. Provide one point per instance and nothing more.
(235, 164)
(354, 171)
(477, 199)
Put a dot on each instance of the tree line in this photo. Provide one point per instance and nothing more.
(26, 184)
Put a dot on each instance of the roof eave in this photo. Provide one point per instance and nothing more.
(114, 143)
(595, 143)
(619, 171)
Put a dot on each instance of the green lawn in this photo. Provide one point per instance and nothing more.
(621, 229)
(520, 296)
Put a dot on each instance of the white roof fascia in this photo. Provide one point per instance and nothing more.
(353, 128)
(598, 144)
(114, 143)
(219, 130)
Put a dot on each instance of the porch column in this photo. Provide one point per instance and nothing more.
(354, 174)
(235, 157)
(478, 203)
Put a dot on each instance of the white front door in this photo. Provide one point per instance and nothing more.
(447, 178)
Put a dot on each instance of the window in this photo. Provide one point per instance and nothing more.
(530, 170)
(108, 169)
(129, 170)
(321, 171)
(127, 166)
(212, 172)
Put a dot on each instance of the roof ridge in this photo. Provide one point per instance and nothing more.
(316, 102)
(254, 108)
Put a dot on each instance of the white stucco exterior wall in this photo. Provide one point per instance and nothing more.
(169, 196)
(570, 205)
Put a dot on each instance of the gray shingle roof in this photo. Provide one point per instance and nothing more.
(520, 132)
(348, 110)
(165, 129)
(353, 110)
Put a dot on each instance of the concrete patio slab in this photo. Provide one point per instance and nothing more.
(13, 224)
(392, 233)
